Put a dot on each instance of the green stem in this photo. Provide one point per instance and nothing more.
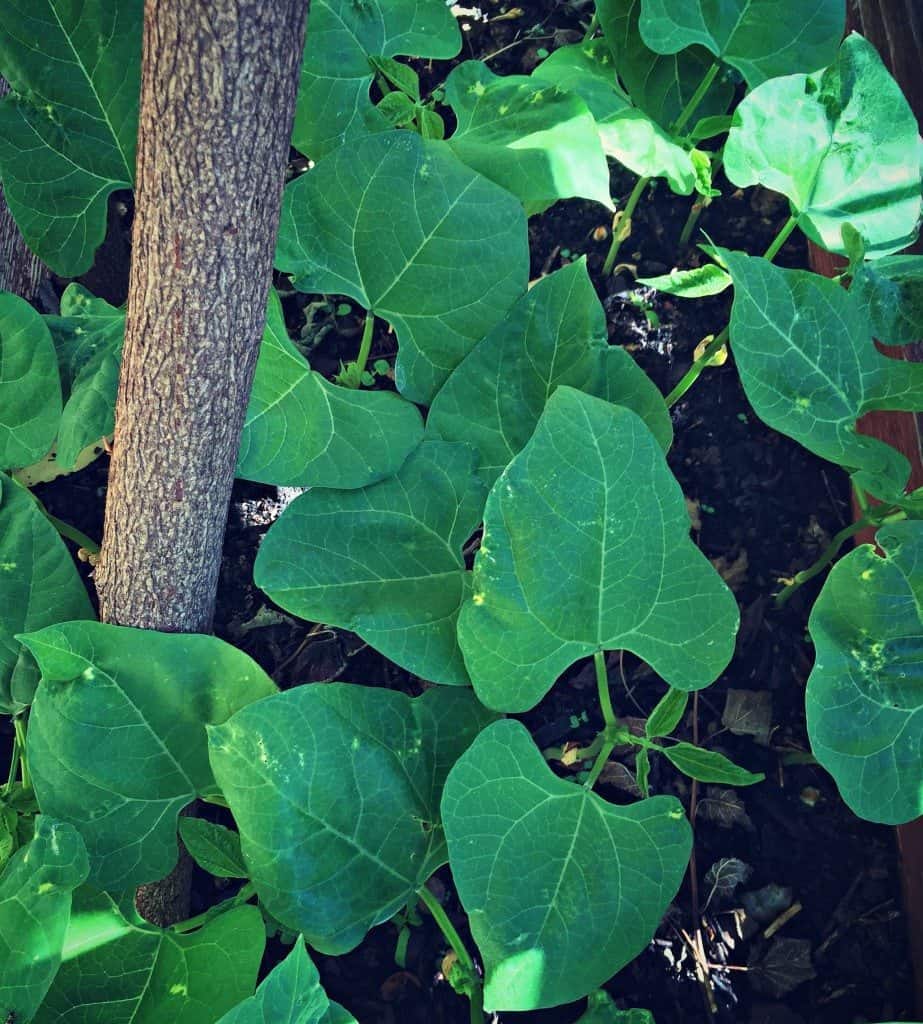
(692, 374)
(591, 28)
(695, 99)
(19, 725)
(622, 228)
(14, 765)
(611, 733)
(72, 533)
(787, 228)
(700, 205)
(246, 892)
(365, 346)
(454, 940)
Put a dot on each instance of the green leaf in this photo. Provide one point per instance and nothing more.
(398, 108)
(35, 904)
(30, 389)
(67, 133)
(804, 351)
(695, 283)
(555, 334)
(335, 790)
(214, 848)
(384, 561)
(891, 290)
(561, 888)
(119, 972)
(290, 994)
(591, 491)
(431, 124)
(586, 69)
(668, 713)
(139, 701)
(388, 222)
(761, 38)
(402, 76)
(601, 1009)
(708, 765)
(39, 585)
(303, 431)
(842, 145)
(333, 104)
(88, 338)
(539, 142)
(864, 701)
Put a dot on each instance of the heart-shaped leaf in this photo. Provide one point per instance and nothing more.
(290, 994)
(333, 104)
(335, 789)
(803, 347)
(35, 905)
(39, 585)
(67, 134)
(843, 145)
(389, 222)
(538, 142)
(122, 972)
(761, 38)
(140, 701)
(864, 701)
(30, 389)
(555, 334)
(891, 290)
(384, 561)
(561, 888)
(592, 491)
(303, 431)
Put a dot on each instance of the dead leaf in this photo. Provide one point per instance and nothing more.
(748, 713)
(724, 806)
(734, 573)
(723, 877)
(783, 967)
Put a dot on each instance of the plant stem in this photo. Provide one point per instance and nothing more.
(700, 205)
(464, 957)
(695, 99)
(692, 374)
(622, 228)
(19, 726)
(72, 533)
(365, 346)
(787, 228)
(14, 764)
(591, 28)
(610, 733)
(246, 892)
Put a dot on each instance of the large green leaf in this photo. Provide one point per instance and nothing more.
(335, 789)
(88, 338)
(842, 145)
(67, 134)
(30, 389)
(35, 905)
(122, 972)
(803, 347)
(540, 143)
(555, 334)
(303, 431)
(333, 105)
(761, 38)
(592, 492)
(290, 994)
(406, 229)
(561, 888)
(864, 697)
(39, 585)
(117, 740)
(384, 561)
(891, 290)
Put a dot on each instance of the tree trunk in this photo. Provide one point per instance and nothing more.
(218, 91)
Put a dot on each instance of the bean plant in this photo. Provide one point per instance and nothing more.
(515, 431)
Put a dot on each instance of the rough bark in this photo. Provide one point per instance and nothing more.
(218, 91)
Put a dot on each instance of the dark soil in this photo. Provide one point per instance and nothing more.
(762, 508)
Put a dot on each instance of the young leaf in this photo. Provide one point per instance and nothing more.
(214, 848)
(335, 790)
(761, 38)
(138, 701)
(401, 76)
(333, 104)
(39, 585)
(539, 143)
(600, 1009)
(30, 389)
(864, 701)
(385, 561)
(67, 133)
(561, 888)
(398, 108)
(290, 994)
(389, 222)
(709, 765)
(592, 490)
(555, 334)
(35, 904)
(803, 347)
(667, 715)
(696, 283)
(843, 145)
(116, 971)
(303, 431)
(891, 291)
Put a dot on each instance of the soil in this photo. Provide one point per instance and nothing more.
(814, 930)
